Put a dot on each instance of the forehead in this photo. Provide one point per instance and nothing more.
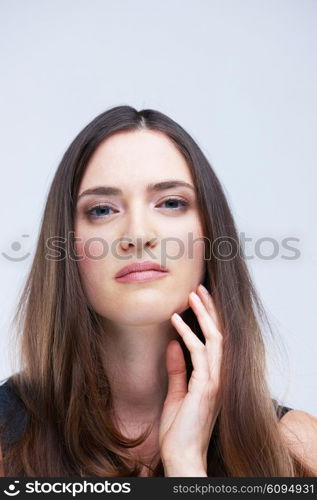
(142, 157)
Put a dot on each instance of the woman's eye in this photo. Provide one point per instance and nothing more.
(173, 201)
(101, 210)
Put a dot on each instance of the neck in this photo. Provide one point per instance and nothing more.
(135, 363)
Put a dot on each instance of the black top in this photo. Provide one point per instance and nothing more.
(13, 411)
(12, 414)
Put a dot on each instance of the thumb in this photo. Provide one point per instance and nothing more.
(177, 373)
(177, 385)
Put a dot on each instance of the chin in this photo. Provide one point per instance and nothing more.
(138, 316)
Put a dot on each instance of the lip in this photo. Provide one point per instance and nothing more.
(141, 271)
(140, 276)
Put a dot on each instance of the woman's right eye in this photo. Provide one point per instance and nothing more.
(101, 211)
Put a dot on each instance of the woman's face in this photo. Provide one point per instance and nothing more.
(138, 225)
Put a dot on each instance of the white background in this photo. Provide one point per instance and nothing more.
(239, 76)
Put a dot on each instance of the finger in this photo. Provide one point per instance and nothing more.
(214, 338)
(208, 302)
(206, 322)
(196, 348)
(177, 384)
(177, 373)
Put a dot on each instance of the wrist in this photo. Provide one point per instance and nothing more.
(175, 468)
(184, 472)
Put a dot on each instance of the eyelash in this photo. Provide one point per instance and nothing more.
(89, 214)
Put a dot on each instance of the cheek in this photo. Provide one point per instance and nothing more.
(196, 259)
(92, 249)
(187, 244)
(91, 255)
(184, 252)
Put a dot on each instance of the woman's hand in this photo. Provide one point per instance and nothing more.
(189, 413)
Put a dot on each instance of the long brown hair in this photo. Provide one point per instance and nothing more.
(62, 382)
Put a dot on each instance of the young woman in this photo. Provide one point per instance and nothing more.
(140, 370)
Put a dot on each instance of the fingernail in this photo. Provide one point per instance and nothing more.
(195, 297)
(203, 289)
(176, 316)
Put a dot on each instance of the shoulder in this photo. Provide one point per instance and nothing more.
(8, 397)
(12, 412)
(299, 431)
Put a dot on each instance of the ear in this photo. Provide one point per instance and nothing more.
(299, 431)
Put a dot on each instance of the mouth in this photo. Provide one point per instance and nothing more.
(141, 276)
(141, 271)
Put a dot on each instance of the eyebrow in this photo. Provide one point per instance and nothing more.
(114, 191)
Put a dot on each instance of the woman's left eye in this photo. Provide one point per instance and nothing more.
(183, 203)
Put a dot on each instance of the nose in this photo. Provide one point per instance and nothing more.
(138, 242)
(139, 233)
